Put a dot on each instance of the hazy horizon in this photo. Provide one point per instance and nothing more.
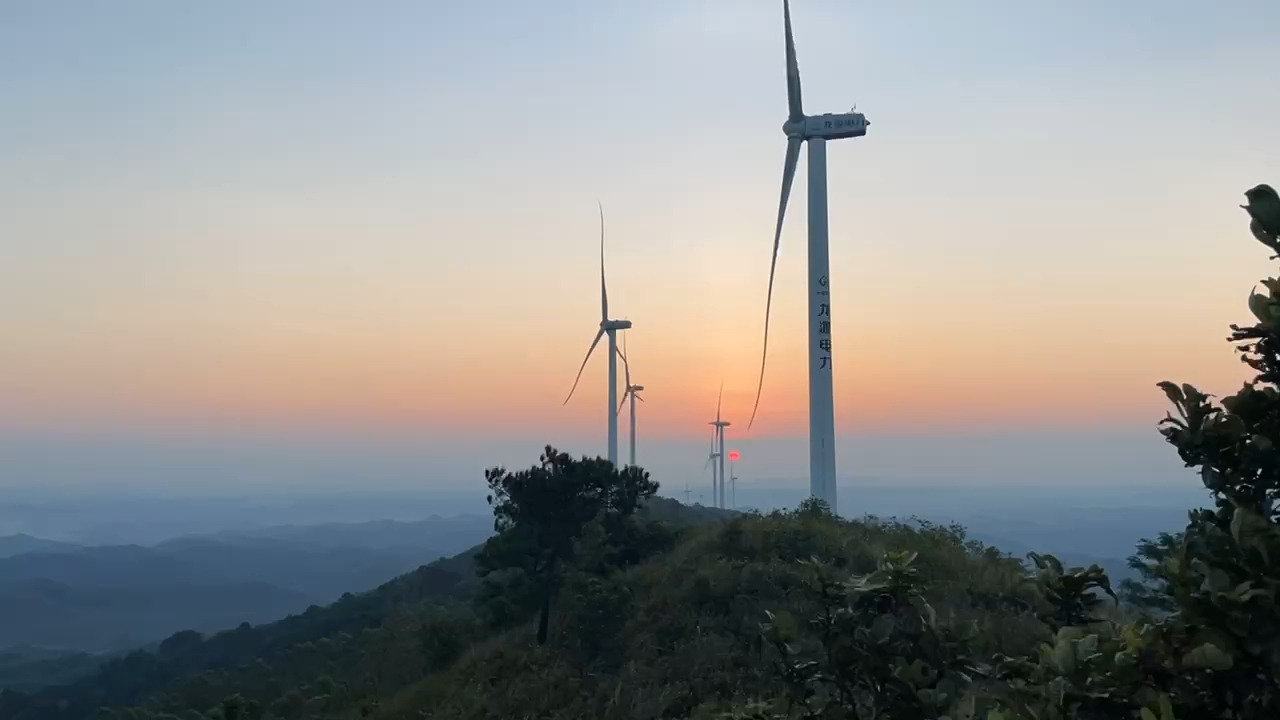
(177, 464)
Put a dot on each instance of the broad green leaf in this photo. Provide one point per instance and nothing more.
(882, 628)
(1171, 390)
(1260, 306)
(1208, 657)
(1086, 647)
(965, 708)
(1064, 655)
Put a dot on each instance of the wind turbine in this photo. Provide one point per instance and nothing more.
(632, 392)
(816, 130)
(717, 442)
(610, 328)
(711, 463)
(733, 479)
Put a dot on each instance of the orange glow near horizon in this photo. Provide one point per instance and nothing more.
(998, 370)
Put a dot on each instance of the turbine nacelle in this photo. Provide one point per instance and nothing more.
(828, 126)
(608, 325)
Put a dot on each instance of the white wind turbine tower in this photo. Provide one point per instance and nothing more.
(733, 487)
(717, 444)
(711, 463)
(816, 130)
(631, 392)
(610, 328)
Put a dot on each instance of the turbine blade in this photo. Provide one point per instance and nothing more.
(719, 397)
(637, 396)
(624, 402)
(626, 366)
(604, 292)
(788, 175)
(793, 69)
(591, 349)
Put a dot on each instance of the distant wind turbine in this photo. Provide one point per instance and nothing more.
(610, 328)
(717, 443)
(632, 392)
(711, 463)
(816, 130)
(733, 486)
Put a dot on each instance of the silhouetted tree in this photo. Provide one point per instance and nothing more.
(539, 513)
(1223, 573)
(1151, 592)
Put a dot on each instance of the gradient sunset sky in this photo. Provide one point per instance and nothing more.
(331, 217)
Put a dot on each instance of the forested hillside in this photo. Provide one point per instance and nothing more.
(132, 678)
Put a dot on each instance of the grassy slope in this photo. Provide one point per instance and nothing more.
(686, 645)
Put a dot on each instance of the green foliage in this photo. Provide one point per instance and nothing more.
(1087, 665)
(1072, 597)
(539, 514)
(875, 649)
(1151, 592)
(679, 636)
(1223, 572)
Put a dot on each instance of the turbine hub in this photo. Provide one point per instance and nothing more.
(793, 128)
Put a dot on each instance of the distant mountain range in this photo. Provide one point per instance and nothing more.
(73, 597)
(63, 595)
(20, 544)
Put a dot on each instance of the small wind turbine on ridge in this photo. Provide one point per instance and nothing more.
(711, 463)
(816, 130)
(717, 443)
(631, 392)
(610, 328)
(733, 479)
